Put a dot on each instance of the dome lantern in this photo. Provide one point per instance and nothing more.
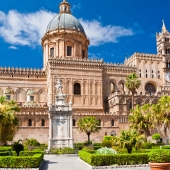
(65, 7)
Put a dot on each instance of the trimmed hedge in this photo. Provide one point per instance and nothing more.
(7, 153)
(118, 159)
(21, 161)
(166, 147)
(5, 148)
(30, 153)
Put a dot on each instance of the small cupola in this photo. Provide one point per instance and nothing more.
(65, 7)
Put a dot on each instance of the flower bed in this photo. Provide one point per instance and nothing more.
(113, 159)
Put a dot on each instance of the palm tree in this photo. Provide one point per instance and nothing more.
(132, 83)
(8, 120)
(161, 113)
(129, 139)
(88, 125)
(140, 119)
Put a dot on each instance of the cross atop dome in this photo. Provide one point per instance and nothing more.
(65, 7)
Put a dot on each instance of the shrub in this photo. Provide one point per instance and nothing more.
(78, 146)
(17, 147)
(106, 150)
(159, 156)
(107, 143)
(97, 144)
(110, 159)
(88, 148)
(5, 148)
(21, 162)
(97, 147)
(31, 143)
(156, 136)
(107, 138)
(165, 147)
(30, 153)
(147, 145)
(65, 150)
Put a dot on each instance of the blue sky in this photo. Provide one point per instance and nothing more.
(116, 28)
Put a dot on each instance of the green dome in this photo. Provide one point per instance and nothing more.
(65, 21)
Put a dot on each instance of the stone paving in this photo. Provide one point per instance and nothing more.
(71, 162)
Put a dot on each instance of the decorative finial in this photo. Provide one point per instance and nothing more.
(64, 7)
(163, 27)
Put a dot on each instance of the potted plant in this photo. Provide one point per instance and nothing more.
(159, 159)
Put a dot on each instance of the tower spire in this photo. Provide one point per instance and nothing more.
(163, 27)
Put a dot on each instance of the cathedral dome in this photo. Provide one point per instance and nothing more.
(65, 21)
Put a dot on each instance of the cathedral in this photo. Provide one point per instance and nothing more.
(94, 87)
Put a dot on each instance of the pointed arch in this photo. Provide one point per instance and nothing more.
(20, 95)
(42, 96)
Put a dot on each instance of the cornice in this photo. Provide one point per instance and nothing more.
(22, 72)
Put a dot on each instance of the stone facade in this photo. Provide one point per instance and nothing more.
(93, 86)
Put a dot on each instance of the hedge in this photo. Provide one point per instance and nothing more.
(31, 153)
(21, 161)
(165, 147)
(5, 148)
(118, 159)
(7, 153)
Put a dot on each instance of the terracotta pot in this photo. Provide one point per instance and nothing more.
(159, 166)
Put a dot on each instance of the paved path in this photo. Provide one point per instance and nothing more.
(71, 162)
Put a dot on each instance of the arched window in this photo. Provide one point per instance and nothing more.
(74, 122)
(77, 88)
(99, 122)
(130, 106)
(42, 122)
(149, 87)
(112, 122)
(112, 87)
(29, 122)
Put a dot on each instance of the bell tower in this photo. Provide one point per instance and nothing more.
(163, 49)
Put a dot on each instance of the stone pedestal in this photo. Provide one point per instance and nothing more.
(60, 121)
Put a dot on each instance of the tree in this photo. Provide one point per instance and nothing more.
(161, 113)
(88, 125)
(8, 120)
(140, 119)
(129, 139)
(132, 83)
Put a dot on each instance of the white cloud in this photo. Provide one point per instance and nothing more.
(76, 6)
(28, 28)
(24, 28)
(99, 34)
(12, 47)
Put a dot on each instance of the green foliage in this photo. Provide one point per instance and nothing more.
(8, 119)
(147, 145)
(156, 136)
(107, 138)
(97, 146)
(78, 146)
(21, 162)
(65, 150)
(159, 156)
(106, 150)
(129, 139)
(107, 143)
(17, 147)
(165, 147)
(111, 159)
(5, 148)
(88, 124)
(30, 153)
(140, 118)
(30, 144)
(88, 148)
(132, 83)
